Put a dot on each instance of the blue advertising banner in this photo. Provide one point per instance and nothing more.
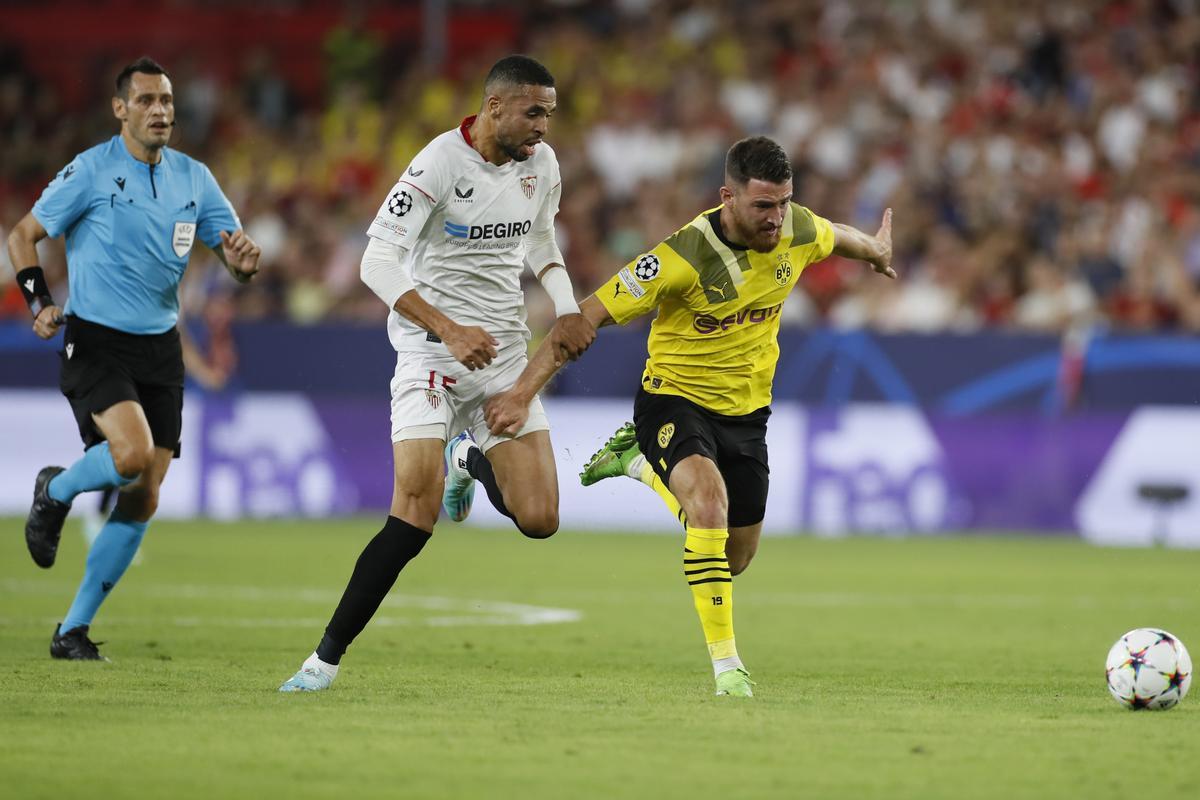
(874, 468)
(956, 375)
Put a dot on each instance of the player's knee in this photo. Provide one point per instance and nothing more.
(708, 512)
(541, 524)
(417, 505)
(131, 460)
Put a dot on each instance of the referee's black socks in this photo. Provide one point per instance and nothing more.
(374, 574)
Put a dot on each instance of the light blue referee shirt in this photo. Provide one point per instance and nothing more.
(130, 227)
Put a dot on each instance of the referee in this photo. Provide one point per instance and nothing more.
(130, 210)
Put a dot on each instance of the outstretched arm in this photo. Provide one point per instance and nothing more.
(850, 242)
(506, 412)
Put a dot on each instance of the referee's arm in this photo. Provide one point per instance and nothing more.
(22, 252)
(239, 254)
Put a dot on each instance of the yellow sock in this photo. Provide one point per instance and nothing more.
(649, 477)
(707, 573)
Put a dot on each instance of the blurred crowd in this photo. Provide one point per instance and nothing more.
(1042, 159)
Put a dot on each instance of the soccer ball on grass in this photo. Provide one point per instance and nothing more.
(1148, 668)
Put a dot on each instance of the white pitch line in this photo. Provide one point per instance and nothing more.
(454, 611)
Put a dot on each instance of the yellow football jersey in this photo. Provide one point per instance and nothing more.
(715, 341)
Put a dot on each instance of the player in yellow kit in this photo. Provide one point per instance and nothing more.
(700, 417)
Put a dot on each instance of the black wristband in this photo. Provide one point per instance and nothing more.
(33, 286)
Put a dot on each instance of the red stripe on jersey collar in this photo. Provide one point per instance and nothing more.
(465, 130)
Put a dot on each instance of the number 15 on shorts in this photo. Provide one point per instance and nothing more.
(446, 380)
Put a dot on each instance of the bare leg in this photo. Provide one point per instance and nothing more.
(521, 482)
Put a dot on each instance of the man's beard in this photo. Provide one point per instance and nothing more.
(511, 150)
(767, 241)
(756, 238)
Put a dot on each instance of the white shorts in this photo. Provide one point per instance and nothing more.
(435, 397)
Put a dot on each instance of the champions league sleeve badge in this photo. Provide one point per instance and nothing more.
(646, 268)
(400, 203)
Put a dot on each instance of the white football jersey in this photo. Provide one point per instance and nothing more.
(463, 223)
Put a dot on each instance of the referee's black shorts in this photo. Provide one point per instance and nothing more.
(671, 428)
(102, 366)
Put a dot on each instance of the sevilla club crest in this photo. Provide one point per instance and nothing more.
(528, 185)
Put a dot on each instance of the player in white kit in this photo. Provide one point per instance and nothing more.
(446, 251)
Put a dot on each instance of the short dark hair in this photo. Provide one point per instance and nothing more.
(757, 157)
(145, 65)
(518, 70)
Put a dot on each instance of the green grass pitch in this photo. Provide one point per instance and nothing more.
(923, 668)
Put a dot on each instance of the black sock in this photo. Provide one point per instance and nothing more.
(479, 468)
(376, 571)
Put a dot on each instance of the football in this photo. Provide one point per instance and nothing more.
(1148, 668)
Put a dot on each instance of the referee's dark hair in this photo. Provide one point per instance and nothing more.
(517, 70)
(757, 157)
(144, 65)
